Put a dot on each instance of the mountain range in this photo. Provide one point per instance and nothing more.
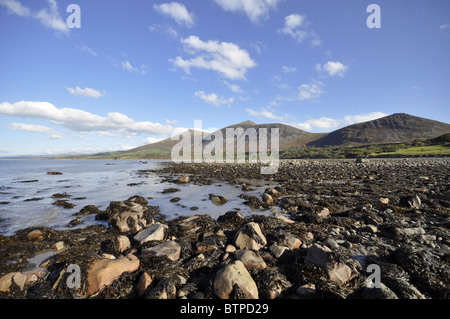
(393, 129)
(396, 128)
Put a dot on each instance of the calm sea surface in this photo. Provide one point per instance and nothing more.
(26, 192)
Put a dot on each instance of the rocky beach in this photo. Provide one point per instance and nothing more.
(319, 230)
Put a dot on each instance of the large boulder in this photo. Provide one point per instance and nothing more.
(103, 272)
(250, 259)
(153, 232)
(411, 202)
(250, 236)
(168, 249)
(338, 272)
(131, 215)
(235, 274)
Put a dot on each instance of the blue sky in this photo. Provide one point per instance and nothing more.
(139, 71)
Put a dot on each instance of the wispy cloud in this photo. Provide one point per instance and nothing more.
(444, 26)
(88, 50)
(288, 69)
(126, 65)
(265, 113)
(328, 124)
(88, 92)
(15, 7)
(233, 87)
(297, 27)
(309, 91)
(226, 58)
(256, 10)
(48, 17)
(30, 128)
(34, 128)
(167, 30)
(88, 150)
(213, 98)
(176, 11)
(172, 122)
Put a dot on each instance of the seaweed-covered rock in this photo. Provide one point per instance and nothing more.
(218, 200)
(338, 272)
(233, 274)
(197, 224)
(165, 289)
(231, 220)
(250, 236)
(271, 283)
(88, 210)
(131, 215)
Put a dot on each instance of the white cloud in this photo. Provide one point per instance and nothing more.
(258, 46)
(264, 113)
(126, 65)
(323, 123)
(151, 140)
(297, 27)
(279, 83)
(333, 68)
(172, 122)
(328, 124)
(30, 128)
(88, 150)
(82, 121)
(288, 69)
(48, 17)
(256, 10)
(15, 7)
(51, 18)
(168, 30)
(444, 26)
(88, 50)
(233, 87)
(213, 98)
(106, 134)
(176, 11)
(309, 91)
(4, 150)
(223, 57)
(85, 92)
(34, 128)
(57, 136)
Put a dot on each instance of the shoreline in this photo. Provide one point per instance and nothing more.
(337, 218)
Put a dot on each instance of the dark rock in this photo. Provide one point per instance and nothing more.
(218, 200)
(64, 204)
(88, 210)
(54, 173)
(232, 220)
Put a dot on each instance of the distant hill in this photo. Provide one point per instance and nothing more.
(441, 139)
(289, 136)
(164, 145)
(396, 128)
(393, 129)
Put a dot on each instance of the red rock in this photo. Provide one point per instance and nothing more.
(103, 272)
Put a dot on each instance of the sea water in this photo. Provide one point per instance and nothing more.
(26, 191)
